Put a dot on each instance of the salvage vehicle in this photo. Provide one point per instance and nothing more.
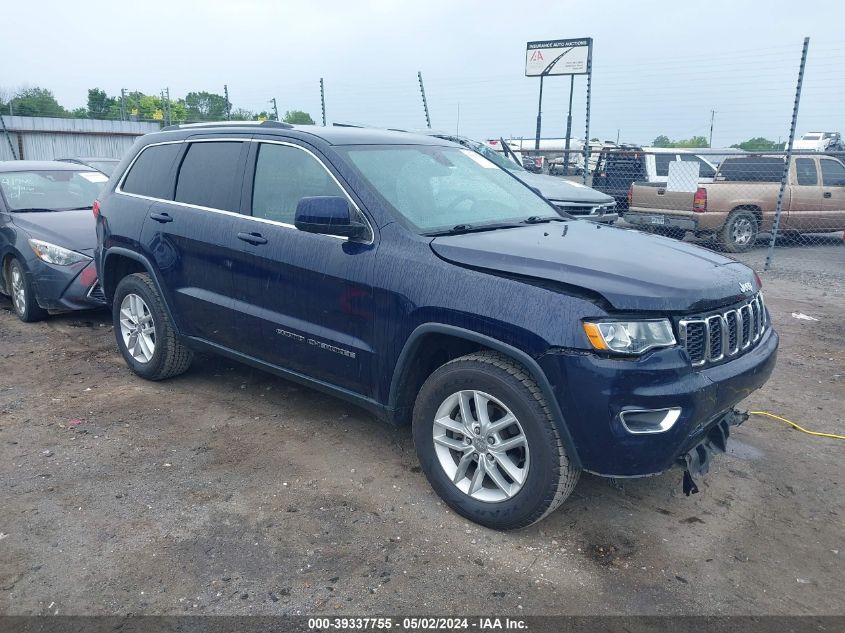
(568, 196)
(47, 237)
(742, 200)
(420, 281)
(618, 167)
(820, 142)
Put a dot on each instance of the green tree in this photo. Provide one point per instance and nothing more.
(37, 102)
(100, 105)
(205, 106)
(298, 117)
(759, 144)
(662, 141)
(695, 141)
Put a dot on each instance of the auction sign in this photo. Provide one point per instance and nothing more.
(558, 57)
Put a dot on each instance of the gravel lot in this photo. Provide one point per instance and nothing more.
(230, 491)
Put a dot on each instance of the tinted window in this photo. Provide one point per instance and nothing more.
(209, 175)
(704, 169)
(833, 173)
(754, 169)
(661, 163)
(805, 170)
(151, 174)
(283, 176)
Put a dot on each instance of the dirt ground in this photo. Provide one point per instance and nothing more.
(230, 491)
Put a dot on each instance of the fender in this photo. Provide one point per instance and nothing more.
(141, 259)
(518, 355)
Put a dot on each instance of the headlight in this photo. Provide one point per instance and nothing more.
(630, 337)
(57, 255)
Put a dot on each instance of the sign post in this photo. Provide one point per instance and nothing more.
(555, 58)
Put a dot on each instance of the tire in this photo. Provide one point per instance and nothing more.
(22, 294)
(548, 476)
(739, 233)
(156, 353)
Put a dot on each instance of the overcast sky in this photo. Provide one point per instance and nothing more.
(660, 67)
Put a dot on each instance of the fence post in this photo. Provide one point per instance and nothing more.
(424, 100)
(587, 130)
(323, 101)
(8, 138)
(785, 176)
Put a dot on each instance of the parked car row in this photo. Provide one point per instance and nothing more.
(422, 281)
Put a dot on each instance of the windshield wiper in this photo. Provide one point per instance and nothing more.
(460, 229)
(539, 219)
(34, 210)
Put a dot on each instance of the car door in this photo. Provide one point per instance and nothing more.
(303, 301)
(833, 194)
(186, 237)
(805, 204)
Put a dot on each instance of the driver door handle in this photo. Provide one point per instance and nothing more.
(161, 217)
(252, 238)
(827, 194)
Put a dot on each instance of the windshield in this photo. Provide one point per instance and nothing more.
(50, 190)
(811, 137)
(500, 159)
(435, 188)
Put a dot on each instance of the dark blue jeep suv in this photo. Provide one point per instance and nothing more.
(419, 280)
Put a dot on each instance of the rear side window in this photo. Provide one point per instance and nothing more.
(209, 175)
(805, 170)
(661, 163)
(704, 168)
(283, 176)
(151, 174)
(833, 173)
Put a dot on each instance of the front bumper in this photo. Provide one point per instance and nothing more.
(63, 288)
(592, 391)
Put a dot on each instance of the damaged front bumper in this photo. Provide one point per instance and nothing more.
(696, 462)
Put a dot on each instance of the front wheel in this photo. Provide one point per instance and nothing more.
(23, 294)
(740, 231)
(145, 335)
(487, 443)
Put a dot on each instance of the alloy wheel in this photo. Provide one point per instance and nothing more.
(137, 328)
(18, 289)
(481, 446)
(742, 231)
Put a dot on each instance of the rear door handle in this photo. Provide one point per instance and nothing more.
(660, 192)
(161, 217)
(827, 194)
(252, 238)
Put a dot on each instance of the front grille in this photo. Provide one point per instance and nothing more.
(716, 336)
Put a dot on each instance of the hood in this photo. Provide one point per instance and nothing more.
(75, 230)
(556, 188)
(631, 270)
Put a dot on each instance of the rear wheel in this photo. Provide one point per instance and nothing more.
(23, 295)
(487, 443)
(145, 334)
(739, 233)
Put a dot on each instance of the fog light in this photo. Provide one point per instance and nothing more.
(642, 421)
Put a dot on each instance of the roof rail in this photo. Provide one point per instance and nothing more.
(205, 124)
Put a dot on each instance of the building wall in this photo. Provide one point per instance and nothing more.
(42, 138)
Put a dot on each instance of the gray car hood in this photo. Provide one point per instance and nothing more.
(556, 188)
(76, 230)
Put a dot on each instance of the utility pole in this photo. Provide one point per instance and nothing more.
(425, 102)
(275, 109)
(163, 110)
(323, 101)
(228, 105)
(539, 115)
(712, 116)
(123, 114)
(169, 111)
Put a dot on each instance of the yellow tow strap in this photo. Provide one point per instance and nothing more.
(800, 428)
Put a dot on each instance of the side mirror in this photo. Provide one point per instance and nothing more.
(329, 215)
